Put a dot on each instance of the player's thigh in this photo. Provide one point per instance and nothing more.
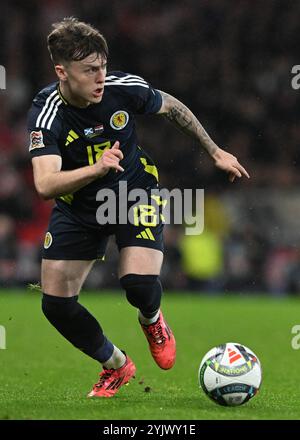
(140, 260)
(64, 277)
(141, 250)
(68, 255)
(140, 241)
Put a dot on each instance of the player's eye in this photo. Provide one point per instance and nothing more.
(92, 70)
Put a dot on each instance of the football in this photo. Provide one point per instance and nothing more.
(230, 374)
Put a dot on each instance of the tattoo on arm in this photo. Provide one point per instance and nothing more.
(186, 121)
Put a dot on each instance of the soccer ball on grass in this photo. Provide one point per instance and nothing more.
(230, 374)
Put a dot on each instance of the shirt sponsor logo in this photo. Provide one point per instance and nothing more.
(36, 140)
(119, 120)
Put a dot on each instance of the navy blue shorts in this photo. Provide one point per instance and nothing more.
(68, 239)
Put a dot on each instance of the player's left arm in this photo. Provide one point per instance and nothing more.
(182, 117)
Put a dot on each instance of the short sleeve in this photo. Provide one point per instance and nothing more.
(147, 101)
(42, 141)
(142, 98)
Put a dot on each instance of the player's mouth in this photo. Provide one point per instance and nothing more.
(98, 92)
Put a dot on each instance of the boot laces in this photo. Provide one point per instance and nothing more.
(103, 376)
(156, 332)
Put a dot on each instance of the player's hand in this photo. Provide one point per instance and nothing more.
(229, 163)
(110, 159)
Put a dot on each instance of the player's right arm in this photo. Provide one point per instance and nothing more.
(51, 182)
(44, 127)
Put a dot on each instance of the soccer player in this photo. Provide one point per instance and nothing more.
(83, 139)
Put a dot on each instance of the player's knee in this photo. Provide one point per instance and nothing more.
(142, 291)
(55, 306)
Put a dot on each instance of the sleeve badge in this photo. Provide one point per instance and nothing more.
(36, 140)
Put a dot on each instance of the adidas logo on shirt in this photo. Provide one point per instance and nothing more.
(72, 136)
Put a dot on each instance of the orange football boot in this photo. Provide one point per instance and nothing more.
(111, 380)
(162, 343)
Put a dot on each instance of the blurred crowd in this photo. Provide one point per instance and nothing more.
(230, 62)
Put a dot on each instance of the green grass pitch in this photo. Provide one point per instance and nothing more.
(44, 377)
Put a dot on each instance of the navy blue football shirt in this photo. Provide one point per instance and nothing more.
(80, 135)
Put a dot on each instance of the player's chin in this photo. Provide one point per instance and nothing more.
(95, 99)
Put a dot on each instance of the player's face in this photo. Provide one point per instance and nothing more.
(85, 79)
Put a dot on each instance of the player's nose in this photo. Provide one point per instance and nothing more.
(100, 79)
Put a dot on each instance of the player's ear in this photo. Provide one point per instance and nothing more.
(61, 72)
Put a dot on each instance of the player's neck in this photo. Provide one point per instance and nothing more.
(76, 101)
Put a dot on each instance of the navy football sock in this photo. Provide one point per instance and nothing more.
(77, 325)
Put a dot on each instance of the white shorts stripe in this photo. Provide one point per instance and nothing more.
(44, 109)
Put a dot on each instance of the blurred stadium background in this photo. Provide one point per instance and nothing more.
(230, 62)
